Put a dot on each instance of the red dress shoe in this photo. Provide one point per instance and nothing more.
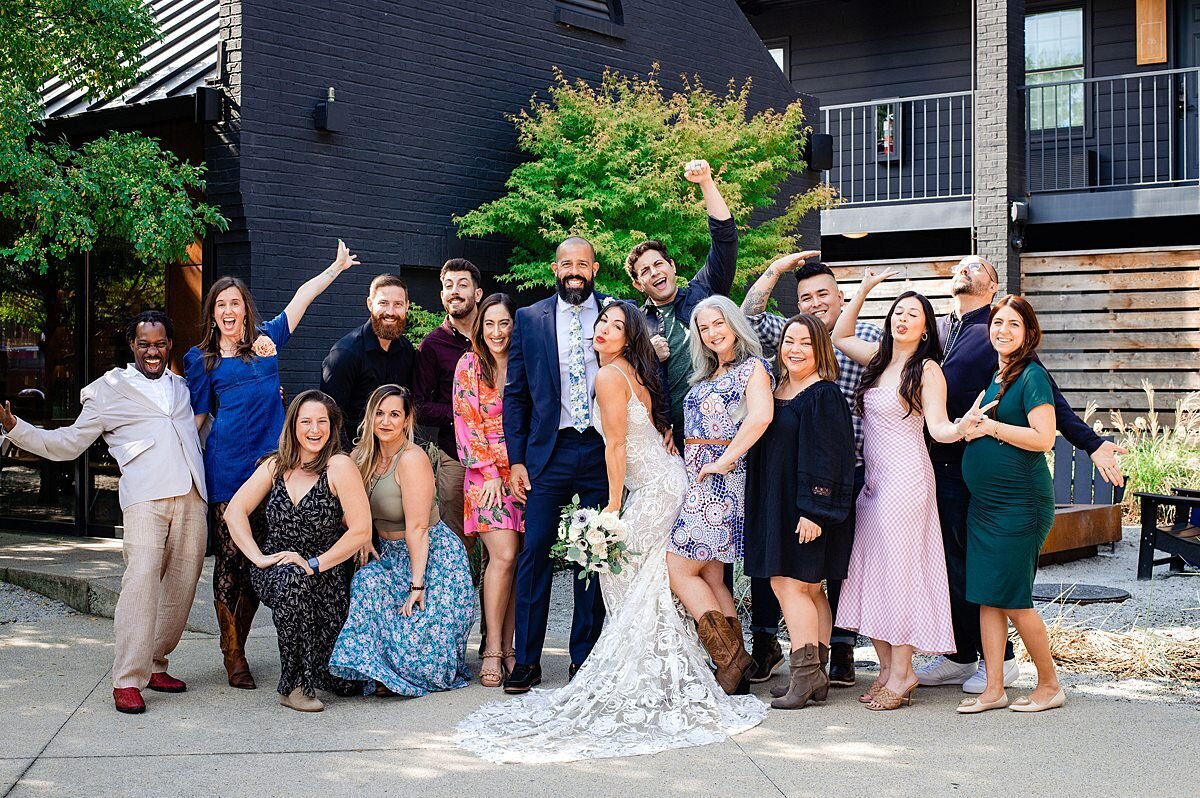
(129, 700)
(166, 683)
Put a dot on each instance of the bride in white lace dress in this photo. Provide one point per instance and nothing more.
(646, 686)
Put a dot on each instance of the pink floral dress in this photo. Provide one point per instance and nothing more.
(480, 435)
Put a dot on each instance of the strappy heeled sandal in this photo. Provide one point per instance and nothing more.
(509, 654)
(886, 700)
(492, 678)
(869, 696)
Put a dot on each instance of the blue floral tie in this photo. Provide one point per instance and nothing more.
(581, 414)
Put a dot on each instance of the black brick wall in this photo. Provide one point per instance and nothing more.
(427, 88)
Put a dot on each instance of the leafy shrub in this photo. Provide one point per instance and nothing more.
(607, 162)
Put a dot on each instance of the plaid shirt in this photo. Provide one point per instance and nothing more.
(769, 328)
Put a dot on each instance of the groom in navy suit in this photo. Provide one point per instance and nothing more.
(554, 449)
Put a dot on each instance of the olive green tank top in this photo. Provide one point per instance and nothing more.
(387, 502)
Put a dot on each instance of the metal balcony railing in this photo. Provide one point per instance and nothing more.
(901, 149)
(1126, 131)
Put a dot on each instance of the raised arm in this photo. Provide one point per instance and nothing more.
(760, 293)
(312, 289)
(700, 173)
(856, 349)
(760, 409)
(415, 472)
(612, 395)
(237, 516)
(64, 443)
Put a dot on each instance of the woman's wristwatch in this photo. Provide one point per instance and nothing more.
(315, 565)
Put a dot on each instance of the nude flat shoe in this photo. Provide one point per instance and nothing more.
(300, 702)
(971, 706)
(1027, 704)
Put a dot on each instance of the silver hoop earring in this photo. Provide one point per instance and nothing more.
(924, 336)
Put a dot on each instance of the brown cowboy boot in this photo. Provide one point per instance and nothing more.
(742, 658)
(808, 680)
(236, 668)
(714, 636)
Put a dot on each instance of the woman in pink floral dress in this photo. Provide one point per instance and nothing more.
(490, 509)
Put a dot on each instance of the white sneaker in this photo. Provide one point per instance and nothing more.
(944, 671)
(978, 681)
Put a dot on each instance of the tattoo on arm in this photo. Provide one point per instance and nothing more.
(756, 298)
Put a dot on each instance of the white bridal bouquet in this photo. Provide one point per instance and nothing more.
(593, 540)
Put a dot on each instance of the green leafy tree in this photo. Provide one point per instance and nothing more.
(606, 162)
(58, 199)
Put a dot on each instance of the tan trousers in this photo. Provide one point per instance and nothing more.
(450, 477)
(164, 554)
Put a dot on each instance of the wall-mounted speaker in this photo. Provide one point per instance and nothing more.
(818, 152)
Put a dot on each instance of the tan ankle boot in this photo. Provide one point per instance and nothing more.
(807, 679)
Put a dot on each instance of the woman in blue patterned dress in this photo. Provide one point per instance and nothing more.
(728, 408)
(233, 376)
(411, 609)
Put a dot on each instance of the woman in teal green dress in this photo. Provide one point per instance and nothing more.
(1012, 507)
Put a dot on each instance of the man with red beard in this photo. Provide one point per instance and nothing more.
(377, 353)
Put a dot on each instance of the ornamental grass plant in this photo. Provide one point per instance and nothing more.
(1161, 457)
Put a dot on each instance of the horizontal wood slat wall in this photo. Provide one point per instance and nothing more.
(1114, 318)
(1110, 319)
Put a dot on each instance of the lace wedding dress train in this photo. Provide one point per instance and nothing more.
(646, 687)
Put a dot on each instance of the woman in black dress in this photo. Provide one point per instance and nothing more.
(318, 517)
(800, 485)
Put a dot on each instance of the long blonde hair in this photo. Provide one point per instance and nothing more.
(367, 454)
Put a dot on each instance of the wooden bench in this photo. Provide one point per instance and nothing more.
(1180, 539)
(1087, 509)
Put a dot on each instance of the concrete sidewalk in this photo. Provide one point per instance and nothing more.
(61, 736)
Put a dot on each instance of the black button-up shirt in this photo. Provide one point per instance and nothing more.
(357, 365)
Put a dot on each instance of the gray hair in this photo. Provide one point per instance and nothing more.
(704, 360)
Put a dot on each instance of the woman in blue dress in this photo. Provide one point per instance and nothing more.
(411, 609)
(233, 377)
(726, 411)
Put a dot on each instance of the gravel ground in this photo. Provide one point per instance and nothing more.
(18, 605)
(1163, 603)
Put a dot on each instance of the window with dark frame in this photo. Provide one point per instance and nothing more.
(1054, 53)
(599, 9)
(597, 16)
(780, 51)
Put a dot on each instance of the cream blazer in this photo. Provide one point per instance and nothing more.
(158, 453)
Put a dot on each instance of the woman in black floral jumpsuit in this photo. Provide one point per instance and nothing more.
(318, 516)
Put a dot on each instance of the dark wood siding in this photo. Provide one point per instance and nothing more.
(427, 88)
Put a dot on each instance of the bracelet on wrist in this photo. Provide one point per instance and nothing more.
(416, 587)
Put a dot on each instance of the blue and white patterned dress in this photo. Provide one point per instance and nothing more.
(710, 523)
(422, 653)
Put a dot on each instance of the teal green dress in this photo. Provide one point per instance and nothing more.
(1012, 500)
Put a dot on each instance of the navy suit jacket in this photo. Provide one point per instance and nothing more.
(533, 388)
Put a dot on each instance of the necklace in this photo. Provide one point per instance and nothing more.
(381, 471)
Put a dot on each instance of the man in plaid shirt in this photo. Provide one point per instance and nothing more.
(817, 293)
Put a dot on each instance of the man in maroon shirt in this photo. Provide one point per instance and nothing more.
(433, 382)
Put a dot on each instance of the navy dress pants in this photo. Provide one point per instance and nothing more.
(576, 467)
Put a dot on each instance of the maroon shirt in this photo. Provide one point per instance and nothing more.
(433, 381)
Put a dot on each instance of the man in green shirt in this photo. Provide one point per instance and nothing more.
(668, 305)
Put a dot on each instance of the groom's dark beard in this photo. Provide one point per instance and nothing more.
(574, 296)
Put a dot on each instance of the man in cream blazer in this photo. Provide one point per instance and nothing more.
(145, 415)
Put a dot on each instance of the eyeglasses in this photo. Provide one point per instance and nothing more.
(971, 267)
